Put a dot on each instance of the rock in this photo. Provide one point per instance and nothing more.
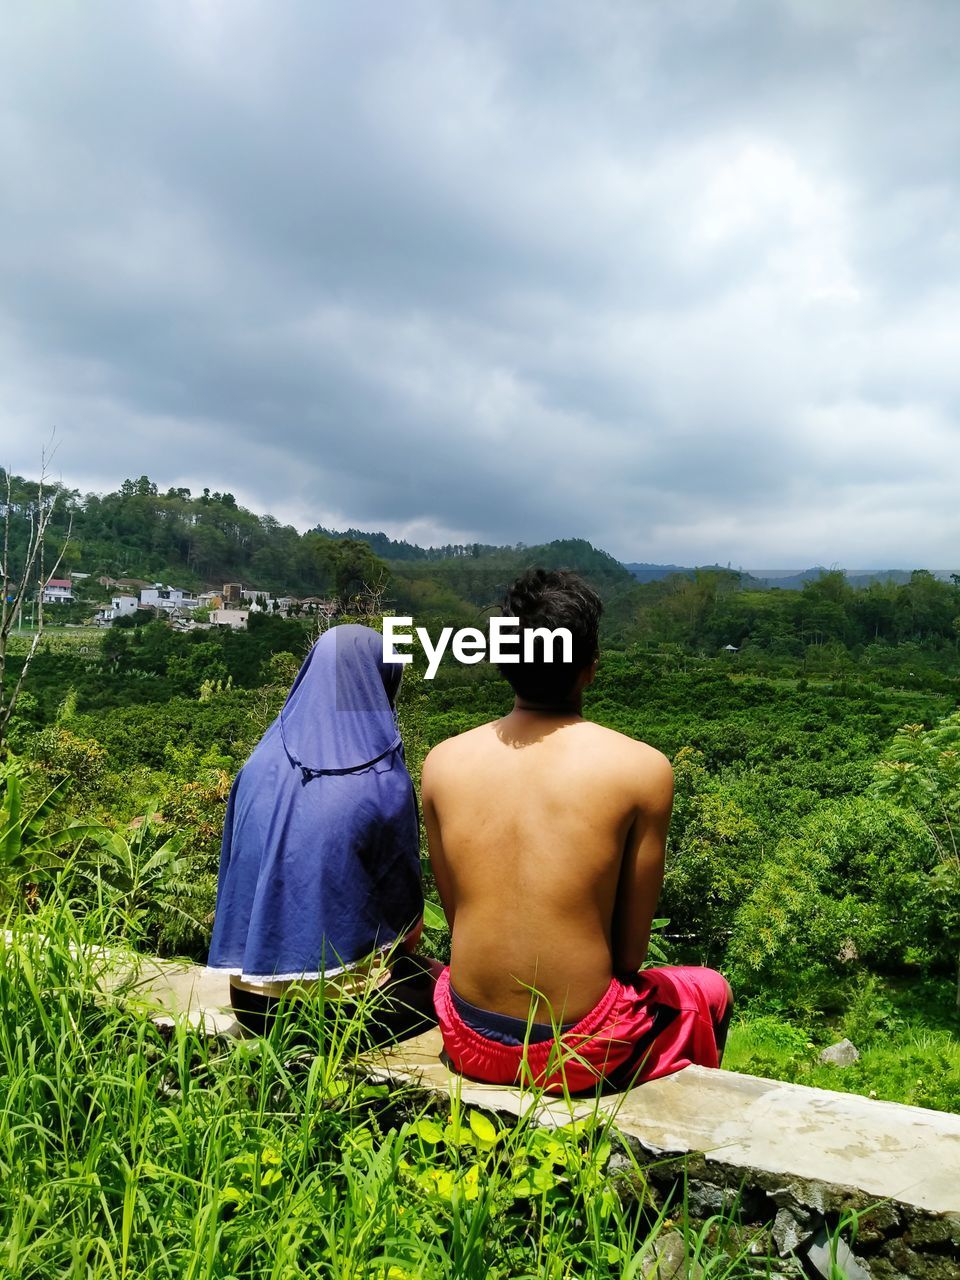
(807, 1200)
(879, 1221)
(788, 1232)
(834, 1258)
(921, 1266)
(841, 1054)
(627, 1180)
(941, 1230)
(666, 1259)
(704, 1200)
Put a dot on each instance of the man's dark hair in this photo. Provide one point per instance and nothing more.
(552, 598)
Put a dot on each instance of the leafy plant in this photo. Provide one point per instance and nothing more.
(850, 888)
(921, 771)
(137, 872)
(28, 850)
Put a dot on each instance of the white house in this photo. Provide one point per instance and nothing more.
(121, 606)
(229, 617)
(58, 591)
(161, 597)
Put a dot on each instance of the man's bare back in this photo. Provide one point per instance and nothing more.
(547, 840)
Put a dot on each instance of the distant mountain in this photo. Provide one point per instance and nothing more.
(781, 579)
(566, 553)
(788, 579)
(864, 577)
(656, 572)
(795, 579)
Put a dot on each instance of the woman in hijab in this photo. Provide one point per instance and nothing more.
(320, 882)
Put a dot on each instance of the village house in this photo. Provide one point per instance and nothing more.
(120, 606)
(58, 591)
(230, 607)
(229, 618)
(167, 598)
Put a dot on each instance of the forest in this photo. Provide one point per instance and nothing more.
(813, 854)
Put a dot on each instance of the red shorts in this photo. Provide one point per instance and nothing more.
(660, 1021)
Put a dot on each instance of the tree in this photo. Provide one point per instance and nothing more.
(921, 772)
(18, 583)
(849, 887)
(355, 570)
(712, 858)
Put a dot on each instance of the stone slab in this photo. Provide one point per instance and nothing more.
(885, 1149)
(169, 989)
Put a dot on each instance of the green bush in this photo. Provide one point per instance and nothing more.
(712, 857)
(850, 888)
(767, 1046)
(63, 754)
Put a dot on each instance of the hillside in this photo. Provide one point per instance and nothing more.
(206, 540)
(196, 541)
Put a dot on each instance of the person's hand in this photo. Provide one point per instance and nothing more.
(411, 941)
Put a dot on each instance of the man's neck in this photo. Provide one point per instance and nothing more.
(572, 706)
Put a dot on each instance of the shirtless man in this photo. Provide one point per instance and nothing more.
(547, 838)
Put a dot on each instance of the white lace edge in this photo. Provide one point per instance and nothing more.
(303, 976)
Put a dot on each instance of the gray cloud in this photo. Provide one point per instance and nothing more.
(682, 279)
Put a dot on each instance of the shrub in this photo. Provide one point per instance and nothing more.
(63, 754)
(851, 887)
(711, 862)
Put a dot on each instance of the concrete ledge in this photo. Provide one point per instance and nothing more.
(798, 1158)
(169, 989)
(883, 1149)
(796, 1161)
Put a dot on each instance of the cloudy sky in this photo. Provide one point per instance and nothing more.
(681, 278)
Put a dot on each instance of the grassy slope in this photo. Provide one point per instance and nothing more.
(126, 1151)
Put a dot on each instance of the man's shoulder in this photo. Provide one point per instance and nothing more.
(452, 749)
(635, 764)
(632, 749)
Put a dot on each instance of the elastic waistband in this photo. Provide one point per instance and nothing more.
(503, 1027)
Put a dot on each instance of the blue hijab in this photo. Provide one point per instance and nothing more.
(320, 862)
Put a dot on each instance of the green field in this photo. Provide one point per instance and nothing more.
(812, 858)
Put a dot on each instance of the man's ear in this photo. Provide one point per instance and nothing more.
(589, 673)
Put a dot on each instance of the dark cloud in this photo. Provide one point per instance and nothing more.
(679, 278)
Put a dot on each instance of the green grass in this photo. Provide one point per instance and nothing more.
(129, 1151)
(909, 1049)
